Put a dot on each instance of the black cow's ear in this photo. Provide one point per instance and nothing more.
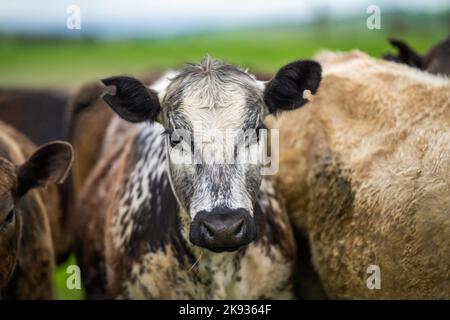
(406, 54)
(133, 101)
(285, 90)
(49, 163)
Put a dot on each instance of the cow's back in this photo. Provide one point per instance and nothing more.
(365, 168)
(39, 114)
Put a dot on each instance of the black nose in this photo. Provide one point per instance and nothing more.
(222, 229)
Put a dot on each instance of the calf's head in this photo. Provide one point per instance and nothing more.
(212, 114)
(50, 162)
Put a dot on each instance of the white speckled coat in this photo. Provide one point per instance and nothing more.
(133, 245)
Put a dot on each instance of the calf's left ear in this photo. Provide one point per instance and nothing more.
(133, 101)
(49, 163)
(285, 90)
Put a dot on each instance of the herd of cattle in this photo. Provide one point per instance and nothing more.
(363, 182)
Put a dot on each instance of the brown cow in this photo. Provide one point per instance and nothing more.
(365, 171)
(29, 218)
(38, 114)
(436, 60)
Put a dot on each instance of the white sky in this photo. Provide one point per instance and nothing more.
(121, 18)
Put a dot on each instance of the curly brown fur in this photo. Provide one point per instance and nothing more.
(364, 168)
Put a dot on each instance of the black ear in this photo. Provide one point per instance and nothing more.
(406, 54)
(50, 163)
(133, 101)
(285, 90)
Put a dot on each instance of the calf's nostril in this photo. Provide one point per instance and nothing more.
(239, 229)
(207, 230)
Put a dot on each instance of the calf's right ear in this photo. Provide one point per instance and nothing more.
(49, 163)
(133, 101)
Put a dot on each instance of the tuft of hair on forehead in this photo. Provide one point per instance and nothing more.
(211, 67)
(211, 81)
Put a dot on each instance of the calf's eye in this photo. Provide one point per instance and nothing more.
(9, 218)
(175, 141)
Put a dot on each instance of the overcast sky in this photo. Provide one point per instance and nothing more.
(119, 18)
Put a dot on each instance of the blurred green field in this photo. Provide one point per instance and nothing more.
(68, 63)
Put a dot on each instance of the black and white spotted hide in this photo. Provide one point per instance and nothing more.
(189, 223)
(150, 255)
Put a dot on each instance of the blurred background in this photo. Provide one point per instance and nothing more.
(38, 50)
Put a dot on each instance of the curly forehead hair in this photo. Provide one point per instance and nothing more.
(209, 79)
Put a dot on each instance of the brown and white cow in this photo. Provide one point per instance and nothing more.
(29, 218)
(87, 122)
(365, 169)
(88, 119)
(161, 217)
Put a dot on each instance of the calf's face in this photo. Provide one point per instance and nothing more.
(213, 118)
(51, 162)
(10, 224)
